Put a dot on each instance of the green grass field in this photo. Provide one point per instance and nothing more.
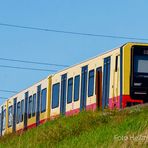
(125, 128)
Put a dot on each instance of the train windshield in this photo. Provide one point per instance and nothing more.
(141, 64)
(139, 72)
(140, 60)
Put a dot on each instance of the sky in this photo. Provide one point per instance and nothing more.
(116, 17)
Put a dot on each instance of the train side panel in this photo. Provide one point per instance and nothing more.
(45, 113)
(10, 116)
(87, 97)
(30, 107)
(114, 97)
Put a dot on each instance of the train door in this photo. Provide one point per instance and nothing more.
(106, 82)
(26, 110)
(116, 82)
(63, 94)
(99, 87)
(14, 114)
(38, 105)
(84, 74)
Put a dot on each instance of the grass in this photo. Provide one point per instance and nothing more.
(88, 129)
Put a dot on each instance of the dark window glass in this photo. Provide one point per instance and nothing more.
(18, 112)
(91, 83)
(34, 105)
(30, 107)
(141, 64)
(116, 65)
(43, 100)
(55, 95)
(10, 117)
(22, 110)
(70, 88)
(4, 119)
(76, 87)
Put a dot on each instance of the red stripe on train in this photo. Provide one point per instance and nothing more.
(115, 102)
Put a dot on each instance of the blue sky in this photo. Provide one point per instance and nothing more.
(116, 17)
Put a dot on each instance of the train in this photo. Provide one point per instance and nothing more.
(115, 79)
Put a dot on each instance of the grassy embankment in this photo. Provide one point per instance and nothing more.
(123, 128)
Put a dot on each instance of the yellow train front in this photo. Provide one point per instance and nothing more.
(134, 74)
(115, 79)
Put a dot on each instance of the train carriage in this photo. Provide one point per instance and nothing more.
(80, 87)
(115, 79)
(28, 108)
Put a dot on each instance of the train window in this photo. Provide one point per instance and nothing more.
(70, 88)
(10, 117)
(140, 64)
(55, 95)
(30, 107)
(116, 64)
(18, 112)
(4, 119)
(76, 87)
(34, 105)
(22, 110)
(43, 100)
(91, 83)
